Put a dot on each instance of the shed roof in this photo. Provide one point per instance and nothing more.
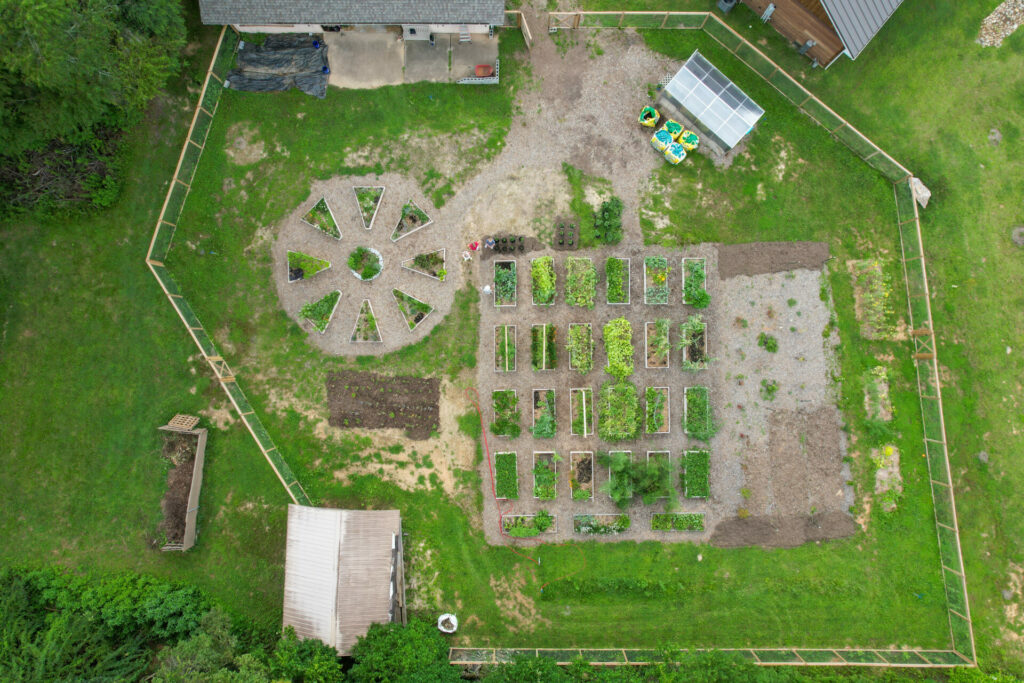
(857, 21)
(259, 12)
(339, 572)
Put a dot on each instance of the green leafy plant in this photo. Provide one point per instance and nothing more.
(767, 342)
(544, 425)
(698, 421)
(368, 198)
(581, 282)
(504, 348)
(319, 312)
(366, 325)
(506, 413)
(505, 283)
(693, 342)
(413, 310)
(608, 221)
(656, 398)
(677, 521)
(696, 465)
(543, 351)
(658, 345)
(431, 263)
(580, 344)
(364, 263)
(875, 287)
(303, 266)
(618, 343)
(320, 217)
(590, 524)
(694, 292)
(542, 274)
(616, 272)
(545, 479)
(656, 271)
(619, 485)
(581, 405)
(768, 389)
(618, 411)
(506, 476)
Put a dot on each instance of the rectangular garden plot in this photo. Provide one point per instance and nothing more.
(543, 352)
(544, 422)
(505, 348)
(656, 280)
(413, 218)
(365, 329)
(658, 476)
(581, 475)
(581, 282)
(581, 347)
(600, 525)
(505, 404)
(527, 526)
(656, 400)
(543, 281)
(373, 401)
(679, 521)
(697, 420)
(616, 272)
(545, 475)
(656, 343)
(581, 409)
(693, 339)
(618, 411)
(695, 474)
(505, 283)
(506, 476)
(694, 278)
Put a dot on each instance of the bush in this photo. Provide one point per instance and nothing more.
(618, 342)
(392, 652)
(768, 342)
(618, 411)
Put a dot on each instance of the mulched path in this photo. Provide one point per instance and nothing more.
(180, 449)
(371, 401)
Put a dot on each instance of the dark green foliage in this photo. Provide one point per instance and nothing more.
(364, 263)
(545, 425)
(506, 476)
(694, 292)
(608, 222)
(655, 398)
(619, 485)
(767, 342)
(618, 411)
(307, 660)
(543, 351)
(505, 283)
(656, 280)
(617, 276)
(392, 653)
(304, 266)
(618, 345)
(545, 478)
(413, 310)
(664, 521)
(589, 524)
(651, 479)
(695, 478)
(506, 413)
(698, 421)
(319, 312)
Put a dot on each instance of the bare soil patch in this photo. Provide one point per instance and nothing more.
(782, 531)
(372, 401)
(242, 147)
(180, 449)
(758, 258)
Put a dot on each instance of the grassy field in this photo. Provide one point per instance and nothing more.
(93, 359)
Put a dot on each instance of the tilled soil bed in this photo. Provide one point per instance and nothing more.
(180, 449)
(372, 401)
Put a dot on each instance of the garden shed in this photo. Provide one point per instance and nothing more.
(343, 572)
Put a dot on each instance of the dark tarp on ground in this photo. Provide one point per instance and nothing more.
(283, 61)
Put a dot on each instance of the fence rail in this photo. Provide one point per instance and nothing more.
(160, 244)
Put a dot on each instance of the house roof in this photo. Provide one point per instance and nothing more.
(339, 572)
(259, 12)
(857, 21)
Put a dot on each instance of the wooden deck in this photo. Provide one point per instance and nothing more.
(796, 20)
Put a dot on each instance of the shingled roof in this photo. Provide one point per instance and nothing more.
(259, 12)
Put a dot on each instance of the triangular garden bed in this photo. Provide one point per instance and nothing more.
(413, 218)
(413, 310)
(366, 329)
(429, 263)
(303, 266)
(322, 218)
(320, 312)
(368, 200)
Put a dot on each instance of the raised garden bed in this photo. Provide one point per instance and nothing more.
(696, 465)
(368, 199)
(545, 475)
(303, 266)
(677, 521)
(545, 423)
(320, 312)
(618, 463)
(543, 280)
(581, 475)
(366, 329)
(365, 263)
(580, 344)
(657, 344)
(600, 525)
(543, 351)
(506, 476)
(580, 282)
(656, 409)
(618, 346)
(322, 218)
(528, 526)
(656, 482)
(581, 411)
(413, 310)
(430, 264)
(618, 409)
(505, 404)
(505, 348)
(656, 280)
(413, 218)
(694, 278)
(693, 340)
(505, 283)
(616, 273)
(186, 452)
(697, 419)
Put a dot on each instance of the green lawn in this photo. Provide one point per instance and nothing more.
(92, 359)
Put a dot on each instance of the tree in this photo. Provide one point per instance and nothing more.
(392, 653)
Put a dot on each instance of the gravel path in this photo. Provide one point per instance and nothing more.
(1003, 21)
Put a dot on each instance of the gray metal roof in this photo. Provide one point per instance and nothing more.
(857, 21)
(257, 12)
(339, 572)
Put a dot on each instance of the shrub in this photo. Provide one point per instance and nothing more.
(506, 413)
(581, 282)
(392, 652)
(581, 348)
(620, 480)
(618, 342)
(542, 273)
(618, 411)
(695, 480)
(618, 284)
(506, 476)
(694, 292)
(699, 422)
(505, 283)
(768, 342)
(652, 479)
